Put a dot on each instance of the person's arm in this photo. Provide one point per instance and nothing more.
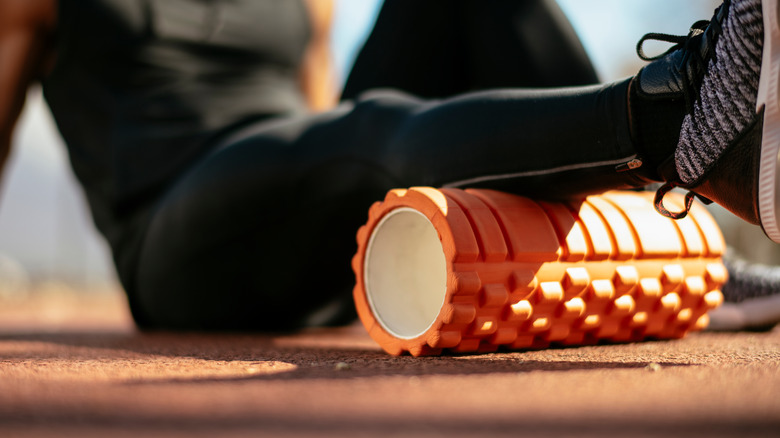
(317, 78)
(25, 31)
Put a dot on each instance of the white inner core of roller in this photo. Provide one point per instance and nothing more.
(405, 273)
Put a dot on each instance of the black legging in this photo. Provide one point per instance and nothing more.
(433, 50)
(259, 234)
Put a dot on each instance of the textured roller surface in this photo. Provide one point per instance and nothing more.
(479, 270)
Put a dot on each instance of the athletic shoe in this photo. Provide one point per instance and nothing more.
(720, 84)
(751, 297)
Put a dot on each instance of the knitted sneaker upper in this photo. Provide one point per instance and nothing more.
(727, 97)
(750, 280)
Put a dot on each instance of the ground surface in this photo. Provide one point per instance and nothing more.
(74, 366)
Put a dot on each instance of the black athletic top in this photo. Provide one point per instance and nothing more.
(142, 88)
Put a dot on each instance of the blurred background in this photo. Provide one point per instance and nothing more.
(47, 239)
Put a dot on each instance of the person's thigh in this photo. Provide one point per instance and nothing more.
(259, 235)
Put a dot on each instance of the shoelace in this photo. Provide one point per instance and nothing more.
(693, 64)
(693, 67)
(658, 202)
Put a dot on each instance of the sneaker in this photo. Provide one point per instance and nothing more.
(751, 297)
(727, 149)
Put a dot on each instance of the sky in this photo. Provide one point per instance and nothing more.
(45, 228)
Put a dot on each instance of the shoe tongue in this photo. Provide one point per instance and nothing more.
(662, 78)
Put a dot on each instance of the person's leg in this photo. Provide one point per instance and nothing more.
(259, 235)
(432, 51)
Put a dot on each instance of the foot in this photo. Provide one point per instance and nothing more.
(751, 297)
(720, 85)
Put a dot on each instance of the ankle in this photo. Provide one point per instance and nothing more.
(655, 126)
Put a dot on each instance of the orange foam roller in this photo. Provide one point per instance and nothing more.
(479, 270)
